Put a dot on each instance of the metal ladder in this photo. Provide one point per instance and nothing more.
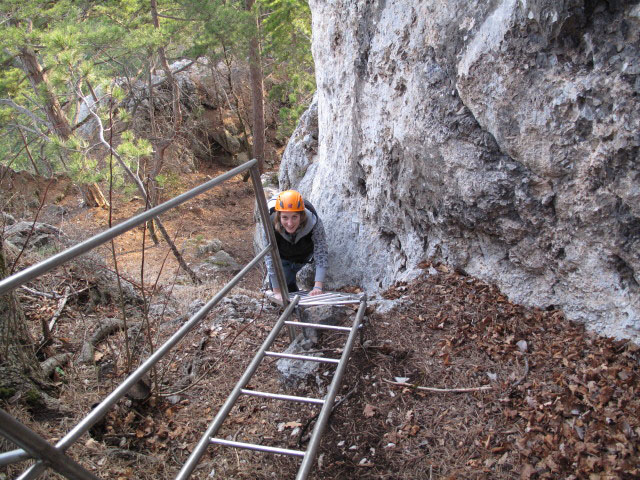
(53, 456)
(301, 299)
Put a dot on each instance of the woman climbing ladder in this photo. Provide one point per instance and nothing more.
(300, 238)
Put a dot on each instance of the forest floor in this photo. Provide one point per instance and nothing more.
(450, 379)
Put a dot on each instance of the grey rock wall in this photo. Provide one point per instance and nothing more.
(499, 137)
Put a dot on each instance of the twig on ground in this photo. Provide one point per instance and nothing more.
(443, 390)
(39, 293)
(61, 303)
(47, 328)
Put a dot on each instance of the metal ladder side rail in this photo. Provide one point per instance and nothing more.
(325, 412)
(36, 270)
(327, 403)
(203, 443)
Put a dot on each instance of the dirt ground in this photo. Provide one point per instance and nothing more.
(451, 381)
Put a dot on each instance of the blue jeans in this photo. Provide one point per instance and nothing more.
(290, 271)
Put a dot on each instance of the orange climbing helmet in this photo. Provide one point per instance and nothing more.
(289, 201)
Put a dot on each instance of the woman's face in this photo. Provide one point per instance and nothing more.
(290, 221)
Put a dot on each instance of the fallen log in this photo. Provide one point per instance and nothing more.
(106, 328)
(51, 363)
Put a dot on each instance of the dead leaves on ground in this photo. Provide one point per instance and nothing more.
(566, 406)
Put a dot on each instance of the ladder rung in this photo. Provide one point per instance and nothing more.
(318, 325)
(328, 303)
(319, 304)
(323, 296)
(302, 357)
(326, 299)
(279, 396)
(259, 448)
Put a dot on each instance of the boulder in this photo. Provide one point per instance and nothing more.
(38, 234)
(497, 137)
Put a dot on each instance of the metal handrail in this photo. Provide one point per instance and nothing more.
(100, 410)
(34, 271)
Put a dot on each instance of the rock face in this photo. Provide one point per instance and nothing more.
(499, 137)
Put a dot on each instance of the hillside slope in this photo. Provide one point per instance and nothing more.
(564, 404)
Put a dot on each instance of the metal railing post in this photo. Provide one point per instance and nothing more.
(39, 448)
(271, 238)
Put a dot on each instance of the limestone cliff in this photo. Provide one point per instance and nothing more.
(499, 137)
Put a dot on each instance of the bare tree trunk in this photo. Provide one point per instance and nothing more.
(37, 77)
(58, 121)
(21, 376)
(162, 145)
(153, 194)
(93, 196)
(257, 95)
(235, 107)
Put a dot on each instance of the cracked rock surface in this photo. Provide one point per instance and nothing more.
(498, 137)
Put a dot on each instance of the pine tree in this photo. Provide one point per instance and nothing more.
(20, 373)
(287, 32)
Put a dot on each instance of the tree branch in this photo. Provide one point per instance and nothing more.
(142, 190)
(25, 111)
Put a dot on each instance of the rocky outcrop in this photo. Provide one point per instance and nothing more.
(212, 133)
(38, 234)
(498, 137)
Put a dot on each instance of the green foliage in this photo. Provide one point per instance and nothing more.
(168, 180)
(83, 46)
(7, 392)
(289, 117)
(288, 28)
(33, 397)
(11, 82)
(221, 26)
(47, 250)
(132, 148)
(61, 373)
(288, 39)
(83, 169)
